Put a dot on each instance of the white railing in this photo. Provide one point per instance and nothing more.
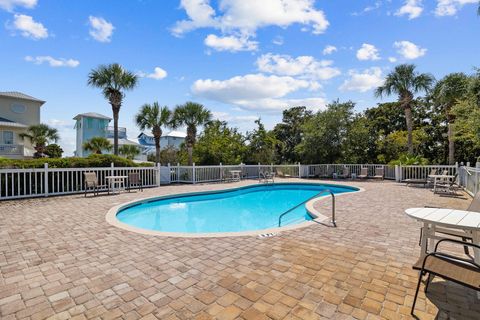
(469, 179)
(11, 150)
(422, 172)
(327, 170)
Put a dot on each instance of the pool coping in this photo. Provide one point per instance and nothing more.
(111, 216)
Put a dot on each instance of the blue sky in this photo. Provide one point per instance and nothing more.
(243, 59)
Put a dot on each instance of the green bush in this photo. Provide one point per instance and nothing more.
(92, 161)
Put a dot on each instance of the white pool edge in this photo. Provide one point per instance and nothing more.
(111, 218)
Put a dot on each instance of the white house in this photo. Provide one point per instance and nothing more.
(171, 139)
(18, 111)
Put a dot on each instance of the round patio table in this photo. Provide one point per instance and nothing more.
(461, 220)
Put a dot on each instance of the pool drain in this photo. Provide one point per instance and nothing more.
(267, 235)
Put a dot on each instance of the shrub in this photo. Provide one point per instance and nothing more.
(92, 161)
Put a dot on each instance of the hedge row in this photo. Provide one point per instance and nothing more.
(92, 161)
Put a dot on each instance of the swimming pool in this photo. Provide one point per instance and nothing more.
(250, 208)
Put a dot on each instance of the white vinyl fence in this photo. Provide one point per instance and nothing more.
(38, 182)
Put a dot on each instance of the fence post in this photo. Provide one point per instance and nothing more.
(398, 177)
(159, 175)
(193, 173)
(45, 186)
(221, 172)
(477, 168)
(178, 172)
(169, 174)
(112, 169)
(299, 170)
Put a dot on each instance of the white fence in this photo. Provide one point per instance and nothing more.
(26, 183)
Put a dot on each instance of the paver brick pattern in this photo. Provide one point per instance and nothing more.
(59, 259)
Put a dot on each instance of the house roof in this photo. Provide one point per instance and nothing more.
(91, 115)
(19, 95)
(124, 141)
(9, 123)
(176, 134)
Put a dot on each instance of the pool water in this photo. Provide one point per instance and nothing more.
(243, 209)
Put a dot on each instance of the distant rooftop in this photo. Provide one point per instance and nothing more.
(176, 134)
(10, 123)
(91, 115)
(19, 95)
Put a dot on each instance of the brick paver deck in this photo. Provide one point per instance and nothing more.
(60, 259)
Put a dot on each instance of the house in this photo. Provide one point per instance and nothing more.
(172, 139)
(92, 124)
(18, 111)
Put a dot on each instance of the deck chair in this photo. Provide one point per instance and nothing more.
(425, 182)
(363, 173)
(464, 271)
(345, 173)
(379, 173)
(448, 187)
(280, 173)
(134, 179)
(266, 177)
(90, 182)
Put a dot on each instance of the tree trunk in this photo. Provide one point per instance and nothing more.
(115, 110)
(190, 155)
(157, 148)
(409, 120)
(451, 142)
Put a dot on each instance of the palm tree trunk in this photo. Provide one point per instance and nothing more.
(409, 120)
(157, 148)
(190, 155)
(451, 142)
(115, 110)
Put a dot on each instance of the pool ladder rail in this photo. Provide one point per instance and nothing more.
(311, 198)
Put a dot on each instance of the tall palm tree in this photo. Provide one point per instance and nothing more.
(445, 94)
(153, 117)
(113, 80)
(191, 115)
(97, 145)
(40, 135)
(130, 151)
(405, 82)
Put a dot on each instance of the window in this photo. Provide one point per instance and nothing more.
(18, 108)
(7, 137)
(89, 123)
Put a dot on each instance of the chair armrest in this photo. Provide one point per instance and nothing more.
(463, 243)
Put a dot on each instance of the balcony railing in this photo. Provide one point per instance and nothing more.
(122, 132)
(11, 150)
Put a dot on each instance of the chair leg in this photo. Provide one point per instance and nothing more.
(465, 248)
(429, 279)
(420, 240)
(416, 293)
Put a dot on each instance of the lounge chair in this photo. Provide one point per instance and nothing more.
(363, 173)
(425, 182)
(134, 180)
(266, 177)
(464, 271)
(379, 173)
(281, 174)
(448, 187)
(345, 173)
(90, 182)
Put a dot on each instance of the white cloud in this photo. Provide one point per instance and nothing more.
(9, 5)
(230, 43)
(412, 8)
(67, 135)
(329, 50)
(233, 119)
(368, 52)
(451, 7)
(28, 27)
(246, 16)
(306, 67)
(53, 62)
(409, 50)
(157, 74)
(363, 81)
(392, 59)
(100, 29)
(255, 91)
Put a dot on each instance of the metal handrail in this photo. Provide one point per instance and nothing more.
(311, 198)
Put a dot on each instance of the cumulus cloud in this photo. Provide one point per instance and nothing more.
(246, 16)
(329, 50)
(392, 59)
(368, 52)
(157, 74)
(411, 8)
(363, 81)
(306, 67)
(451, 7)
(53, 62)
(234, 119)
(100, 29)
(255, 91)
(230, 43)
(9, 5)
(28, 27)
(278, 40)
(409, 50)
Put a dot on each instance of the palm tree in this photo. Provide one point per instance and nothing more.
(405, 82)
(40, 135)
(113, 80)
(97, 145)
(191, 115)
(445, 94)
(129, 151)
(153, 117)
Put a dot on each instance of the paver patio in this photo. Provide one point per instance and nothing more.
(58, 257)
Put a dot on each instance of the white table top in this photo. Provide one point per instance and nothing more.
(451, 218)
(116, 177)
(441, 176)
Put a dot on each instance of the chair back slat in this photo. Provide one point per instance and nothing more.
(90, 178)
(364, 172)
(379, 172)
(134, 178)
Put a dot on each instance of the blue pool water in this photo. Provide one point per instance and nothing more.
(243, 209)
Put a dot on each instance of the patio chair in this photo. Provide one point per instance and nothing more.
(425, 182)
(379, 173)
(363, 173)
(134, 179)
(464, 271)
(90, 181)
(281, 174)
(448, 187)
(345, 173)
(266, 177)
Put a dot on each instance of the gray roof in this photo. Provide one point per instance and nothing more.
(91, 115)
(19, 95)
(9, 123)
(124, 141)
